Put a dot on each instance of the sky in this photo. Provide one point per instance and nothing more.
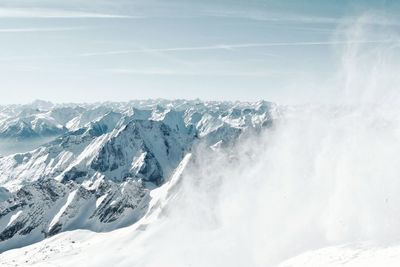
(117, 50)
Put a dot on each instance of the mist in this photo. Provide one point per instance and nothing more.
(12, 146)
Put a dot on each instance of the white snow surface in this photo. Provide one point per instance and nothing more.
(356, 255)
(14, 217)
(104, 249)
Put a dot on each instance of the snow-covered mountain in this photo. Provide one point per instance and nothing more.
(105, 159)
(191, 183)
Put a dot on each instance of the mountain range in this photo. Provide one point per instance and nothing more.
(98, 164)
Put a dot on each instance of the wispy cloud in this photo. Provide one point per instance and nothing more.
(52, 13)
(22, 30)
(233, 47)
(299, 18)
(273, 17)
(181, 72)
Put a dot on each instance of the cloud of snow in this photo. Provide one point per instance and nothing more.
(322, 175)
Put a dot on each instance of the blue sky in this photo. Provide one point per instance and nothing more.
(80, 50)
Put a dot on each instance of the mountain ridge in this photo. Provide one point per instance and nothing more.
(98, 174)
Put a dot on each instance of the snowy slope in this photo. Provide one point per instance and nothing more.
(359, 255)
(78, 247)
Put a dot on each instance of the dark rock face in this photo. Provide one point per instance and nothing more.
(107, 207)
(116, 204)
(32, 202)
(74, 174)
(137, 140)
(11, 231)
(53, 230)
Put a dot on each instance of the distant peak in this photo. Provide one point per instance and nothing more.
(40, 104)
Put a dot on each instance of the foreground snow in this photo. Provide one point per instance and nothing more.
(118, 248)
(348, 256)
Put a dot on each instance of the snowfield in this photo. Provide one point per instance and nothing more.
(360, 255)
(81, 248)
